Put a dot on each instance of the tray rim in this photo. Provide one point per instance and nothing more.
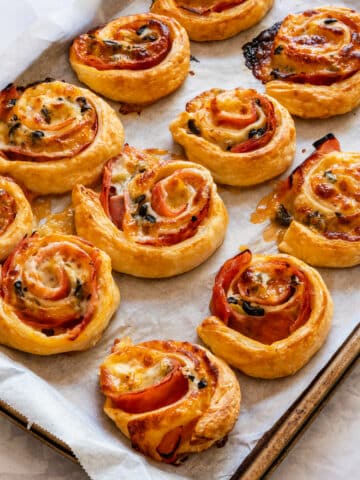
(277, 442)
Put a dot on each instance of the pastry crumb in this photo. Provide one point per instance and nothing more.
(126, 108)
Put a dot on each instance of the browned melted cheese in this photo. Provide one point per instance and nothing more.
(45, 121)
(322, 193)
(136, 45)
(319, 47)
(154, 198)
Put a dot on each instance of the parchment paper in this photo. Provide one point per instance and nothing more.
(61, 393)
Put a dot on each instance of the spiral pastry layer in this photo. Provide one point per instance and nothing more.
(53, 135)
(136, 59)
(157, 215)
(213, 19)
(57, 295)
(169, 398)
(241, 136)
(270, 314)
(310, 61)
(16, 218)
(319, 207)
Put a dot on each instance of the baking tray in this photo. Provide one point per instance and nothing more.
(278, 440)
(276, 443)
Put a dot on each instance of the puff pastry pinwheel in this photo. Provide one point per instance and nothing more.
(157, 215)
(16, 218)
(241, 136)
(214, 19)
(57, 295)
(169, 398)
(54, 135)
(270, 314)
(318, 207)
(136, 59)
(310, 61)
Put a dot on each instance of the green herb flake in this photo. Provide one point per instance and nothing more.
(45, 112)
(232, 300)
(252, 310)
(193, 127)
(150, 218)
(202, 384)
(19, 289)
(78, 291)
(84, 105)
(330, 176)
(37, 135)
(282, 216)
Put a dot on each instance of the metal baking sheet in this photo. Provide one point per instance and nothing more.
(66, 405)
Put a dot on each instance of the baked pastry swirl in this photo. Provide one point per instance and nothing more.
(310, 61)
(318, 207)
(169, 398)
(54, 135)
(57, 295)
(157, 215)
(213, 19)
(16, 218)
(270, 314)
(241, 136)
(135, 59)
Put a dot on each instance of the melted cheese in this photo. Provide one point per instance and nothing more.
(61, 223)
(132, 374)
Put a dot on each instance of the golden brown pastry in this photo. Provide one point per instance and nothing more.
(136, 59)
(157, 215)
(54, 135)
(317, 208)
(213, 19)
(169, 398)
(57, 295)
(241, 136)
(270, 314)
(16, 219)
(310, 61)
